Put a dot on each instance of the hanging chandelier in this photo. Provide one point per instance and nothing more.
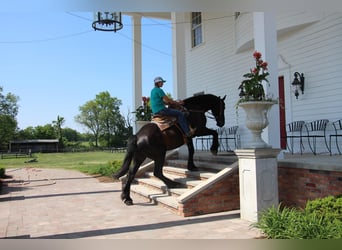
(107, 21)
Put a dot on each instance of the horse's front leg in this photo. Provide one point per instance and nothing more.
(191, 151)
(158, 172)
(215, 144)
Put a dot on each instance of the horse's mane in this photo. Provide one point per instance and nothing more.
(204, 100)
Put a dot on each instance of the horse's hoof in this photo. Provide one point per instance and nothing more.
(213, 152)
(192, 168)
(174, 185)
(128, 202)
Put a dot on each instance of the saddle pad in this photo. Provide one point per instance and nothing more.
(164, 122)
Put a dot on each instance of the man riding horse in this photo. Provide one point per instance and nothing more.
(158, 101)
(152, 142)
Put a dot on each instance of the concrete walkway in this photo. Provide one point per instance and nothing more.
(64, 204)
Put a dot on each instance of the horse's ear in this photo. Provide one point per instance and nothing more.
(224, 97)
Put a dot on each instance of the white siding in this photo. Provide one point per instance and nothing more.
(309, 43)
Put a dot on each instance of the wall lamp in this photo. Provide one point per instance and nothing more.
(298, 83)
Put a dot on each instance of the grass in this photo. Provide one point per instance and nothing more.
(101, 162)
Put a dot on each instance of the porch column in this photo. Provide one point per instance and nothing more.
(178, 54)
(265, 41)
(137, 65)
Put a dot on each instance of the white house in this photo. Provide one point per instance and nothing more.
(211, 52)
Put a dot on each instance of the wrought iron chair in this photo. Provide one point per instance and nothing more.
(337, 133)
(204, 142)
(230, 133)
(295, 131)
(315, 130)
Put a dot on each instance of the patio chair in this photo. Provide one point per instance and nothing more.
(294, 130)
(230, 133)
(337, 133)
(315, 130)
(204, 142)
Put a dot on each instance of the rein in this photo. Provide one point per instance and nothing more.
(202, 111)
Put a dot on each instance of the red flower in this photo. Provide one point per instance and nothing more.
(257, 55)
(264, 65)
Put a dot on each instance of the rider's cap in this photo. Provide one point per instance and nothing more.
(158, 79)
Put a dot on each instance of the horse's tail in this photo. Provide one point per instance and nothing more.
(131, 148)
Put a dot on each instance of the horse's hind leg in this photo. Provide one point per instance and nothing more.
(191, 151)
(126, 190)
(158, 172)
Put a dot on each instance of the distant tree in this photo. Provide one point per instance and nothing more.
(58, 128)
(90, 118)
(102, 117)
(111, 121)
(45, 132)
(71, 135)
(27, 133)
(8, 112)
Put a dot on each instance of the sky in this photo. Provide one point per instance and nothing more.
(56, 62)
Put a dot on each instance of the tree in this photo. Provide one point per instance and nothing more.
(45, 132)
(58, 128)
(102, 117)
(90, 118)
(8, 112)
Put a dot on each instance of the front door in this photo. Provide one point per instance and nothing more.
(282, 120)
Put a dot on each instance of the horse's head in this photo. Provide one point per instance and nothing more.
(218, 111)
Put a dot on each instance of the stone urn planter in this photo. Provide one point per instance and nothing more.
(257, 121)
(140, 124)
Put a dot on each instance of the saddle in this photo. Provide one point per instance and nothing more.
(164, 122)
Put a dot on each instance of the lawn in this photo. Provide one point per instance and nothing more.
(101, 162)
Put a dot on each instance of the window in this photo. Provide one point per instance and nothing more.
(196, 28)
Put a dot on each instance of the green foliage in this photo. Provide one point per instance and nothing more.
(8, 112)
(144, 112)
(251, 89)
(321, 219)
(2, 172)
(102, 169)
(330, 207)
(102, 118)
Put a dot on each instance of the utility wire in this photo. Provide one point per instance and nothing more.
(47, 39)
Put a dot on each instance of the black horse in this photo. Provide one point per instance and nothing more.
(151, 142)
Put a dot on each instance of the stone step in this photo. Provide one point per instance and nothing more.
(186, 181)
(157, 197)
(154, 190)
(200, 175)
(204, 156)
(203, 165)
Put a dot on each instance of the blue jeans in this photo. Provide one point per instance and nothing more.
(180, 118)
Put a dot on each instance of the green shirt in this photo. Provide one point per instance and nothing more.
(157, 102)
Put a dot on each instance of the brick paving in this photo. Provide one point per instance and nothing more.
(66, 204)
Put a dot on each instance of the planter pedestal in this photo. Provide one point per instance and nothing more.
(258, 178)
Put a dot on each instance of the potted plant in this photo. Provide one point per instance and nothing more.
(143, 113)
(255, 102)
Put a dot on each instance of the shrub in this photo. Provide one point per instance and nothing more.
(2, 172)
(321, 219)
(330, 207)
(102, 169)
